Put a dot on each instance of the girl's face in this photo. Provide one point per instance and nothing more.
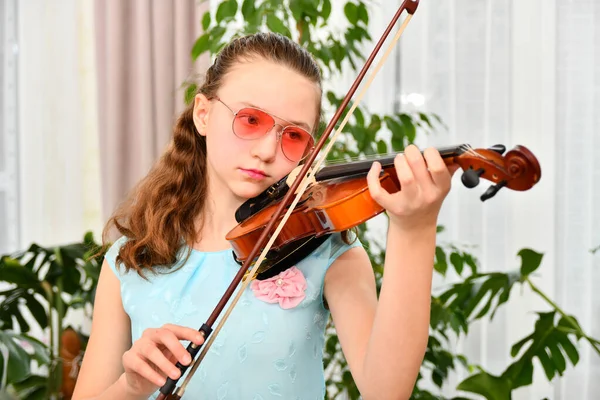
(244, 168)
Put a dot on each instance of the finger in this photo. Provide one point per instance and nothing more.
(172, 359)
(185, 333)
(408, 185)
(377, 192)
(417, 165)
(158, 358)
(438, 170)
(170, 340)
(170, 356)
(134, 362)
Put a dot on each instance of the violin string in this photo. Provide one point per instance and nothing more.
(474, 153)
(463, 147)
(359, 158)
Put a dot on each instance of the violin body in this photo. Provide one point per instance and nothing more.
(326, 207)
(340, 198)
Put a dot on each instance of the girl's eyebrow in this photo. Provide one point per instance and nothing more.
(297, 123)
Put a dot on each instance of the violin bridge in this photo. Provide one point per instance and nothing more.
(294, 174)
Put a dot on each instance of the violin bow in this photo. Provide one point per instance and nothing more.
(297, 188)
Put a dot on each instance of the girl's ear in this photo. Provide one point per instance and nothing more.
(201, 109)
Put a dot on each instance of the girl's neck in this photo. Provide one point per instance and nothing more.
(217, 219)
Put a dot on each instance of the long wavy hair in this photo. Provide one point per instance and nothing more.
(158, 216)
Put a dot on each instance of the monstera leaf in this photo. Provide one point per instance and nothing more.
(40, 277)
(464, 298)
(34, 387)
(42, 282)
(489, 386)
(17, 359)
(551, 342)
(24, 285)
(547, 343)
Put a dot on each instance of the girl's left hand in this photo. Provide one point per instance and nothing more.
(424, 184)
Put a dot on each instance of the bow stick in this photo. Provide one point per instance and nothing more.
(297, 188)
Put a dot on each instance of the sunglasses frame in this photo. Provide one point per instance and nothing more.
(310, 145)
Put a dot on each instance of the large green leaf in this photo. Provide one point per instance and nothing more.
(32, 388)
(70, 259)
(275, 24)
(19, 360)
(530, 261)
(226, 10)
(547, 343)
(351, 11)
(488, 291)
(409, 126)
(10, 308)
(36, 309)
(441, 263)
(34, 273)
(11, 271)
(443, 318)
(489, 386)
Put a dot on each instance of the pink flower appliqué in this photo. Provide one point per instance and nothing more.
(286, 288)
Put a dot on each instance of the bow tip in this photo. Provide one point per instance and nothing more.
(411, 6)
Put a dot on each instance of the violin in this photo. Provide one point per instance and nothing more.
(338, 199)
(294, 216)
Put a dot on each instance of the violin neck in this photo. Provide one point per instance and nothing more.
(362, 167)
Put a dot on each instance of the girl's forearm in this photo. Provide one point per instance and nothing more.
(401, 328)
(117, 390)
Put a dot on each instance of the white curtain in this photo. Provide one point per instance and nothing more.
(577, 194)
(9, 196)
(520, 73)
(58, 142)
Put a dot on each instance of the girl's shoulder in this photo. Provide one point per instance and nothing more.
(330, 250)
(112, 258)
(112, 253)
(339, 243)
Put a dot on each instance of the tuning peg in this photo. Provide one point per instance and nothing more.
(492, 190)
(498, 148)
(470, 178)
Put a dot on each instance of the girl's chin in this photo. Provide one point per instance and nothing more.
(248, 191)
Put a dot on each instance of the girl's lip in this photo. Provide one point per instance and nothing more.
(254, 173)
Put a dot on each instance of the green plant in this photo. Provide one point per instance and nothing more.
(477, 295)
(44, 284)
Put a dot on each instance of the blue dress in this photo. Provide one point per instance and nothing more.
(263, 350)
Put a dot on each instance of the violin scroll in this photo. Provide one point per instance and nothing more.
(517, 170)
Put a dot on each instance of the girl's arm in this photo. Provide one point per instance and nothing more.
(110, 337)
(384, 342)
(112, 367)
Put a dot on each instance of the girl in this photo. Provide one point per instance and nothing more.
(251, 124)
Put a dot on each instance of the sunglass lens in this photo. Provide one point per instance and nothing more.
(250, 123)
(295, 143)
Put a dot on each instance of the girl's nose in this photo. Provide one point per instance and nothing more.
(266, 147)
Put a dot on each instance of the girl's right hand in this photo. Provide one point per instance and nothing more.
(153, 357)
